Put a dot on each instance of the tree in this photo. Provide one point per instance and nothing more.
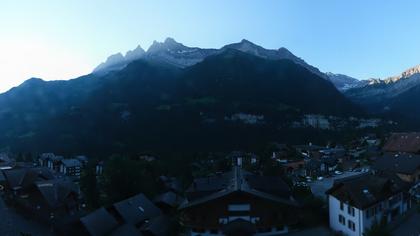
(124, 178)
(90, 188)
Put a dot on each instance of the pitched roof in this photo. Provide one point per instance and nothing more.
(126, 230)
(158, 226)
(365, 190)
(136, 209)
(238, 180)
(398, 163)
(44, 156)
(169, 198)
(99, 222)
(56, 191)
(403, 142)
(71, 162)
(27, 176)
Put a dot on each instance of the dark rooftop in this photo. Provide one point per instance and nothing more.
(398, 163)
(206, 189)
(158, 226)
(136, 209)
(365, 190)
(71, 162)
(126, 230)
(403, 142)
(56, 191)
(99, 222)
(27, 176)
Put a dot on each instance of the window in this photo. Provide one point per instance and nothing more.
(351, 225)
(350, 210)
(239, 207)
(341, 206)
(342, 219)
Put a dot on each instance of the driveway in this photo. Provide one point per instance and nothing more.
(319, 187)
(13, 224)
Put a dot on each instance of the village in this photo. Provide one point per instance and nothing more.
(370, 186)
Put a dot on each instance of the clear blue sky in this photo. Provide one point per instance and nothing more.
(68, 38)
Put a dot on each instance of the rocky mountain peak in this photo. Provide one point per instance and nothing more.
(168, 44)
(405, 75)
(135, 53)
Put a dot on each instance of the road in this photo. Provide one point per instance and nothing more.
(13, 224)
(319, 187)
(410, 227)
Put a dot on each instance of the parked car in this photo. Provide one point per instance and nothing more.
(337, 172)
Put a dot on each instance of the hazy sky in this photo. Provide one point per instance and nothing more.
(68, 38)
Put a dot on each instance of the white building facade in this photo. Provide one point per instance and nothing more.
(353, 221)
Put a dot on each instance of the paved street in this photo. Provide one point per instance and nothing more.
(319, 187)
(319, 231)
(12, 224)
(410, 227)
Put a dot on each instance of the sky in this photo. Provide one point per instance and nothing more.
(65, 39)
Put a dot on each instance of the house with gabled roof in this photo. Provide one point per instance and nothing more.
(135, 210)
(50, 160)
(405, 166)
(238, 200)
(136, 215)
(38, 192)
(71, 167)
(403, 143)
(356, 203)
(98, 223)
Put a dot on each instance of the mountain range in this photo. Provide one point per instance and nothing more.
(398, 94)
(173, 97)
(176, 98)
(376, 96)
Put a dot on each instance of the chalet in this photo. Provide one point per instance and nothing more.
(51, 161)
(405, 166)
(37, 191)
(71, 167)
(53, 200)
(356, 203)
(403, 143)
(238, 203)
(18, 181)
(134, 216)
